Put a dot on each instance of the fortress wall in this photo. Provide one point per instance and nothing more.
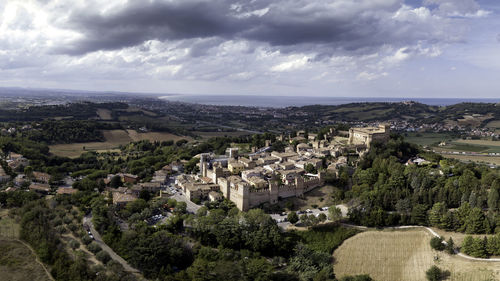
(257, 198)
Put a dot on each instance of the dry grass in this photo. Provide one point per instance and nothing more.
(114, 138)
(8, 228)
(17, 263)
(104, 114)
(320, 196)
(154, 136)
(404, 255)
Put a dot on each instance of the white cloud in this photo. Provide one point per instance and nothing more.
(282, 43)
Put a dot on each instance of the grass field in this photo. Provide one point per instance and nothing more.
(467, 147)
(491, 146)
(17, 262)
(404, 255)
(114, 138)
(479, 159)
(427, 138)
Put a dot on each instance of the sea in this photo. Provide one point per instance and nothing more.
(286, 101)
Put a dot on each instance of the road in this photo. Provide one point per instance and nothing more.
(87, 221)
(191, 207)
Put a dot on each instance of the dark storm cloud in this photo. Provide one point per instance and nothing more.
(143, 21)
(289, 25)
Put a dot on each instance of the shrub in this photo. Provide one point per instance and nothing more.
(86, 239)
(94, 247)
(74, 244)
(61, 229)
(67, 219)
(103, 257)
(437, 243)
(436, 274)
(293, 217)
(73, 227)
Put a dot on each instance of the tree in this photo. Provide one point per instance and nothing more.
(94, 247)
(467, 245)
(474, 222)
(103, 256)
(493, 197)
(437, 243)
(478, 248)
(450, 246)
(304, 219)
(181, 207)
(436, 274)
(115, 182)
(322, 217)
(293, 217)
(419, 215)
(144, 194)
(334, 214)
(436, 214)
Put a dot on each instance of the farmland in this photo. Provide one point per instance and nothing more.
(404, 255)
(114, 138)
(427, 138)
(479, 159)
(104, 114)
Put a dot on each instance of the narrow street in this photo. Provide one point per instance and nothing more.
(87, 221)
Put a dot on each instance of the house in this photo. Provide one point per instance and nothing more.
(214, 196)
(235, 167)
(20, 179)
(129, 178)
(121, 199)
(42, 188)
(66, 190)
(41, 177)
(178, 167)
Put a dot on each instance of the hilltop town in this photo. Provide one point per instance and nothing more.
(133, 183)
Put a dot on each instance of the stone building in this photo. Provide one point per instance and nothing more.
(367, 135)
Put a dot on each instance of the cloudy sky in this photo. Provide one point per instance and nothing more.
(368, 48)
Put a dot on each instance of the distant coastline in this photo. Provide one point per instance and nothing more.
(285, 101)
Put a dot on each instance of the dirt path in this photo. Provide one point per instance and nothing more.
(87, 221)
(432, 232)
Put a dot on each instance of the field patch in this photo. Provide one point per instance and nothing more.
(8, 227)
(207, 135)
(113, 139)
(104, 114)
(427, 138)
(154, 136)
(404, 255)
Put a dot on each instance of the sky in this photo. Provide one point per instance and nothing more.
(337, 48)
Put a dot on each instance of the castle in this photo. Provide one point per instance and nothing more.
(365, 136)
